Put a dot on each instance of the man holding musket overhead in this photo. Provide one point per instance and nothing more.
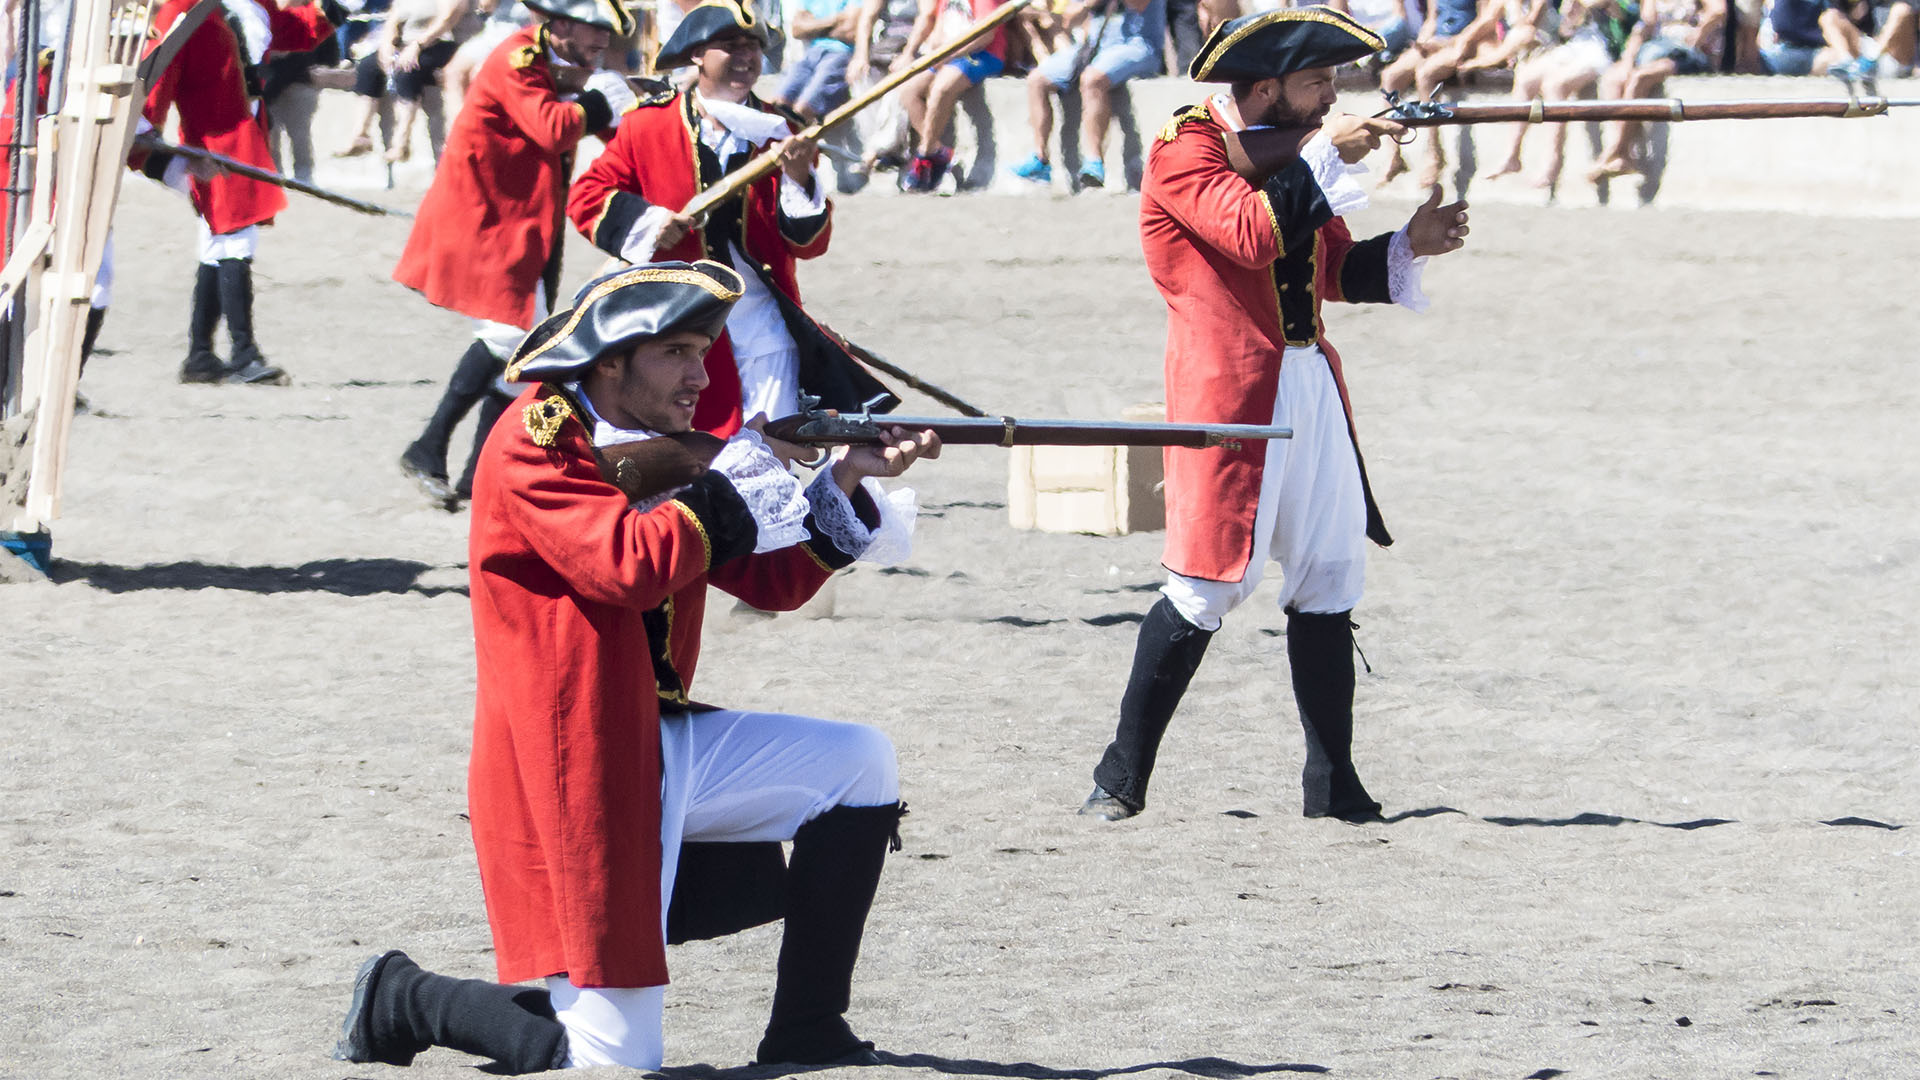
(628, 202)
(1241, 220)
(612, 814)
(486, 241)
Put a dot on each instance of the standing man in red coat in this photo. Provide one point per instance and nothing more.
(603, 799)
(207, 84)
(1244, 265)
(628, 203)
(486, 241)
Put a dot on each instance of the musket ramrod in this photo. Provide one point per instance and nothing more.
(1665, 110)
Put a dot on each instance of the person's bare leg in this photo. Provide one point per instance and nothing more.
(400, 146)
(1526, 87)
(362, 140)
(1897, 37)
(1432, 72)
(1493, 57)
(1096, 113)
(1559, 88)
(1612, 160)
(1040, 112)
(948, 84)
(914, 94)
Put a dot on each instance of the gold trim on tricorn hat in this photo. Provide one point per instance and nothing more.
(610, 15)
(1282, 42)
(621, 309)
(703, 24)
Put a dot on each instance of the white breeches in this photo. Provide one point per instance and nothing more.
(726, 776)
(502, 338)
(102, 296)
(769, 383)
(238, 244)
(1312, 517)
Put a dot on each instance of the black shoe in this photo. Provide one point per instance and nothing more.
(357, 1041)
(432, 483)
(249, 368)
(1105, 806)
(202, 367)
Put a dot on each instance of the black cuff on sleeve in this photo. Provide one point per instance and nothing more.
(1363, 276)
(803, 230)
(723, 516)
(599, 113)
(825, 549)
(1299, 206)
(156, 164)
(610, 232)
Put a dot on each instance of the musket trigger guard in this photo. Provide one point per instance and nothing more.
(1405, 138)
(1006, 435)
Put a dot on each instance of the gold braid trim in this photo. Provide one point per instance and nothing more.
(1279, 241)
(1308, 14)
(620, 281)
(544, 418)
(706, 542)
(525, 57)
(678, 697)
(1181, 119)
(807, 546)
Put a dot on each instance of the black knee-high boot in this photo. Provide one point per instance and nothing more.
(95, 317)
(202, 366)
(472, 378)
(236, 302)
(1169, 651)
(491, 408)
(399, 1010)
(1320, 653)
(830, 885)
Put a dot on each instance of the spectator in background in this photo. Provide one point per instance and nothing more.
(1396, 21)
(499, 19)
(1870, 38)
(930, 97)
(1674, 37)
(415, 42)
(1118, 40)
(881, 31)
(1449, 27)
(1532, 27)
(818, 82)
(1597, 32)
(291, 98)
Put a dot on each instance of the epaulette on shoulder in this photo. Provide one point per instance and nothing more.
(1182, 118)
(651, 93)
(545, 416)
(525, 57)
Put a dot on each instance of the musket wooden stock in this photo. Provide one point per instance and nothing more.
(764, 164)
(1666, 110)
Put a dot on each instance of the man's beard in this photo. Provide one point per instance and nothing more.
(1282, 115)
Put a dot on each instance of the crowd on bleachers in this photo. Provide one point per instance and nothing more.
(1083, 51)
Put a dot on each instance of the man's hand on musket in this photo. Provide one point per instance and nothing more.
(674, 231)
(787, 452)
(1436, 229)
(568, 79)
(899, 448)
(1357, 136)
(203, 170)
(797, 157)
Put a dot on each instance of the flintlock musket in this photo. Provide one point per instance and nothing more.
(266, 176)
(1415, 113)
(650, 467)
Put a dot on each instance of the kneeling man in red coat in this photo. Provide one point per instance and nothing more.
(611, 813)
(1244, 246)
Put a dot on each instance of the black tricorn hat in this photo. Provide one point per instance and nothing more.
(703, 24)
(1282, 42)
(610, 14)
(623, 308)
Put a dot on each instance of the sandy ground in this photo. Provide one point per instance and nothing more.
(1641, 705)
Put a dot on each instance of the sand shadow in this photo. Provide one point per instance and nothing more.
(1212, 1067)
(1591, 818)
(342, 577)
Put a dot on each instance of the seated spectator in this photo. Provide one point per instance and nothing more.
(1793, 40)
(1119, 40)
(501, 19)
(415, 42)
(1597, 32)
(1451, 30)
(881, 31)
(818, 81)
(1396, 21)
(1674, 37)
(1531, 28)
(287, 90)
(930, 97)
(1870, 38)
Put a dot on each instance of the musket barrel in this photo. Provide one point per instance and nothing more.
(1430, 114)
(1011, 431)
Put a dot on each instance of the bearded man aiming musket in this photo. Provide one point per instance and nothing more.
(1245, 247)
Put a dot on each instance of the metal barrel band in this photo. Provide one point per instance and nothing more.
(1006, 436)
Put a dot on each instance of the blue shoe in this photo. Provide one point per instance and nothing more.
(1035, 170)
(1093, 174)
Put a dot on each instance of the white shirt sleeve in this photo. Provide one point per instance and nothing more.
(644, 236)
(1403, 273)
(1335, 177)
(797, 202)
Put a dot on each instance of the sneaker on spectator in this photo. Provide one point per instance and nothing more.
(1093, 173)
(1035, 170)
(914, 177)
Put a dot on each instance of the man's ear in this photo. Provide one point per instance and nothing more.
(610, 365)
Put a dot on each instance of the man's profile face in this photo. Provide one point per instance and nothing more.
(1305, 98)
(729, 62)
(578, 43)
(654, 386)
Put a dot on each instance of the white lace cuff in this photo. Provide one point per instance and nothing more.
(797, 202)
(772, 495)
(1403, 273)
(887, 544)
(1335, 177)
(177, 177)
(644, 236)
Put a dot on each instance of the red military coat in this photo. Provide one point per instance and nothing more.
(1236, 298)
(573, 590)
(489, 223)
(205, 83)
(655, 159)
